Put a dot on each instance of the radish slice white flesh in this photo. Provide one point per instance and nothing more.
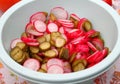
(14, 42)
(66, 23)
(55, 69)
(52, 27)
(61, 30)
(35, 33)
(30, 29)
(54, 61)
(59, 12)
(40, 26)
(67, 67)
(33, 43)
(74, 16)
(32, 64)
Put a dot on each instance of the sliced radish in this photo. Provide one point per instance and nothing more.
(27, 39)
(69, 25)
(98, 43)
(32, 64)
(40, 26)
(84, 24)
(70, 47)
(40, 54)
(30, 41)
(52, 27)
(92, 33)
(67, 67)
(78, 56)
(75, 33)
(29, 26)
(14, 42)
(53, 61)
(81, 56)
(61, 30)
(55, 51)
(35, 33)
(66, 23)
(31, 30)
(91, 46)
(65, 37)
(33, 43)
(38, 16)
(55, 69)
(67, 29)
(90, 65)
(82, 48)
(74, 16)
(94, 56)
(103, 55)
(59, 12)
(79, 40)
(105, 51)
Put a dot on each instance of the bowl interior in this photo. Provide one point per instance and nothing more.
(99, 16)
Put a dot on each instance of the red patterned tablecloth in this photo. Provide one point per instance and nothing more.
(112, 76)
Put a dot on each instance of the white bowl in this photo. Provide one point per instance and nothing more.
(103, 17)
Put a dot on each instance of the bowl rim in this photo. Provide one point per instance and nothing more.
(41, 77)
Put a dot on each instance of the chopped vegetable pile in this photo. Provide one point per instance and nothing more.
(58, 43)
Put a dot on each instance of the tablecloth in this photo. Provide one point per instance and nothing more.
(112, 76)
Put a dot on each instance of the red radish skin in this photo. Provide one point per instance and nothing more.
(33, 43)
(66, 23)
(14, 42)
(74, 16)
(38, 16)
(81, 55)
(90, 65)
(102, 56)
(55, 51)
(98, 43)
(79, 40)
(78, 56)
(52, 27)
(55, 69)
(93, 57)
(31, 30)
(81, 22)
(29, 26)
(55, 61)
(90, 33)
(32, 64)
(30, 41)
(65, 37)
(59, 12)
(67, 67)
(82, 48)
(41, 54)
(27, 39)
(35, 33)
(74, 33)
(61, 30)
(70, 47)
(91, 46)
(40, 26)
